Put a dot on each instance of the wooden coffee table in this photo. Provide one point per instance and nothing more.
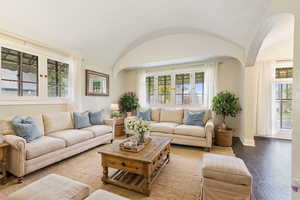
(136, 171)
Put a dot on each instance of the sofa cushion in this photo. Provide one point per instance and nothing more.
(190, 130)
(171, 115)
(73, 136)
(227, 169)
(6, 125)
(144, 114)
(97, 118)
(57, 122)
(206, 117)
(99, 130)
(81, 120)
(26, 128)
(155, 114)
(43, 145)
(52, 187)
(195, 118)
(165, 127)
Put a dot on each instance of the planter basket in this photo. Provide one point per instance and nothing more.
(224, 137)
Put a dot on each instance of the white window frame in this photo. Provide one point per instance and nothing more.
(284, 64)
(191, 69)
(42, 97)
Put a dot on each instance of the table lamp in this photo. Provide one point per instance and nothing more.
(114, 110)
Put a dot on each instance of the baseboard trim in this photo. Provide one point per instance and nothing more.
(248, 142)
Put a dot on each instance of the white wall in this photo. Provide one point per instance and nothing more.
(116, 88)
(282, 50)
(229, 78)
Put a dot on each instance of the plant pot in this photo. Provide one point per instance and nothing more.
(224, 136)
(129, 114)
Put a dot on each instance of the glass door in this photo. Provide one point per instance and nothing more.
(283, 103)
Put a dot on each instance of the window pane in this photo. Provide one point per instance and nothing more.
(183, 87)
(21, 68)
(278, 91)
(287, 115)
(199, 87)
(58, 79)
(199, 99)
(29, 89)
(283, 104)
(150, 89)
(284, 72)
(10, 60)
(179, 99)
(164, 89)
(29, 68)
(52, 91)
(9, 88)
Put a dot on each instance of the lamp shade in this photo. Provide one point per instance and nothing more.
(114, 106)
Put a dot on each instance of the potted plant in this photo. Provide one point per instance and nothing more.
(128, 103)
(225, 104)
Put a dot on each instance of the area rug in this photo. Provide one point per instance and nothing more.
(179, 180)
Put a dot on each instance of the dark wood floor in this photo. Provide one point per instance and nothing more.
(270, 165)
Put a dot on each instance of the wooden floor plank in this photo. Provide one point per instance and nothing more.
(269, 162)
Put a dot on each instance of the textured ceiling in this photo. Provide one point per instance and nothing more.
(100, 30)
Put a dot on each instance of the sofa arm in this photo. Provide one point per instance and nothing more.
(112, 123)
(210, 127)
(209, 131)
(16, 155)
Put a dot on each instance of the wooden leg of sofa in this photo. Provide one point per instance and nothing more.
(207, 149)
(20, 179)
(112, 140)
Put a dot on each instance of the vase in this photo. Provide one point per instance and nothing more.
(141, 137)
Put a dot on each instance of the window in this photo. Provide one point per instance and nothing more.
(150, 89)
(164, 89)
(284, 72)
(58, 77)
(183, 87)
(284, 105)
(283, 97)
(19, 73)
(199, 87)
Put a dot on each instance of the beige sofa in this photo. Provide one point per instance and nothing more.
(60, 140)
(169, 122)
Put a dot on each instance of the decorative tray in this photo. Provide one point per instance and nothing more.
(127, 145)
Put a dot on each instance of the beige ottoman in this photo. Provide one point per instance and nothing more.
(226, 178)
(104, 195)
(52, 187)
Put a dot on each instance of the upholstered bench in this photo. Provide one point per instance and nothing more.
(52, 187)
(104, 195)
(226, 178)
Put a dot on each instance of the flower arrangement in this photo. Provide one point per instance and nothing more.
(140, 127)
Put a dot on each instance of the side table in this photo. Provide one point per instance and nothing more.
(3, 162)
(119, 127)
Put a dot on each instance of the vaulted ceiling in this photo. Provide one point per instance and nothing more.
(100, 30)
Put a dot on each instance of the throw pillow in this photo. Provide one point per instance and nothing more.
(195, 118)
(81, 120)
(96, 118)
(26, 128)
(144, 115)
